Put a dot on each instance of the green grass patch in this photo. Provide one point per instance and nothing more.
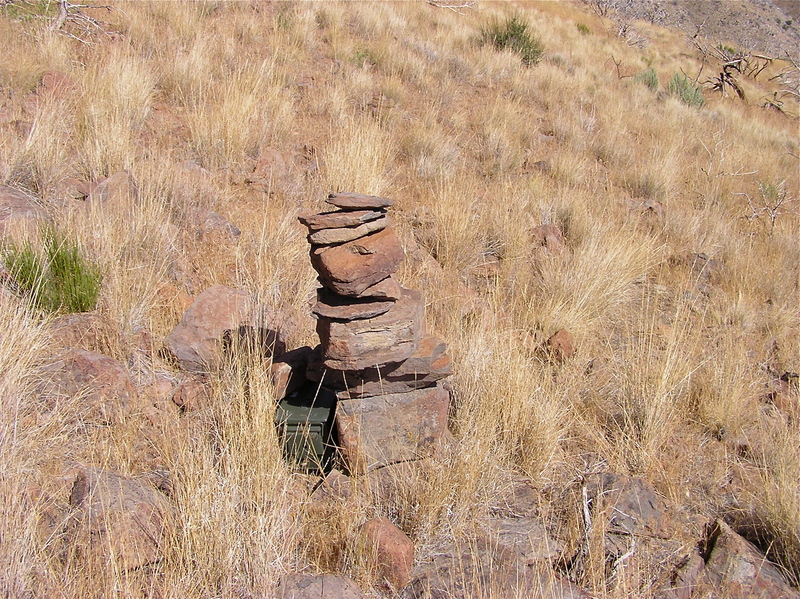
(686, 90)
(58, 278)
(514, 34)
(583, 29)
(648, 77)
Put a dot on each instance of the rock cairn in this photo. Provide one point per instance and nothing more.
(374, 353)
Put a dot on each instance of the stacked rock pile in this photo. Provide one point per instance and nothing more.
(374, 353)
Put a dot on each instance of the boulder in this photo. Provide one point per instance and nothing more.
(196, 343)
(357, 201)
(337, 307)
(429, 364)
(684, 579)
(345, 234)
(736, 567)
(101, 384)
(380, 430)
(318, 586)
(390, 337)
(388, 550)
(18, 212)
(352, 267)
(636, 507)
(119, 521)
(339, 218)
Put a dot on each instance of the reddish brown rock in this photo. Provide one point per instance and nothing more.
(429, 364)
(102, 385)
(340, 218)
(55, 82)
(196, 343)
(550, 237)
(119, 189)
(735, 567)
(388, 550)
(345, 234)
(87, 330)
(337, 307)
(318, 586)
(288, 371)
(357, 201)
(391, 337)
(560, 346)
(388, 288)
(192, 394)
(18, 212)
(380, 430)
(118, 521)
(350, 268)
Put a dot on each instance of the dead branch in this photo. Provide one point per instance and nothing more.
(456, 7)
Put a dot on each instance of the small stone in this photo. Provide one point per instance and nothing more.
(18, 211)
(345, 234)
(192, 394)
(289, 371)
(351, 268)
(378, 431)
(357, 201)
(560, 346)
(119, 190)
(337, 307)
(388, 288)
(390, 337)
(389, 550)
(339, 218)
(551, 238)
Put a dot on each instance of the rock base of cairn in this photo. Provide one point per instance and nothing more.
(374, 352)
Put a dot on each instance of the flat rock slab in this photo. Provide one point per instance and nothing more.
(388, 288)
(357, 201)
(429, 364)
(345, 234)
(339, 307)
(320, 586)
(483, 567)
(391, 337)
(378, 431)
(339, 219)
(351, 268)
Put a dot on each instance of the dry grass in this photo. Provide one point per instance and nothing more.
(400, 99)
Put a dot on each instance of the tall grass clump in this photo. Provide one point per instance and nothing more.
(515, 35)
(57, 279)
(686, 90)
(648, 78)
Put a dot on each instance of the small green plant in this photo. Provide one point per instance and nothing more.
(363, 56)
(648, 77)
(583, 29)
(515, 35)
(686, 90)
(58, 279)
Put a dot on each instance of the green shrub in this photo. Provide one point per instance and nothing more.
(59, 279)
(687, 90)
(647, 77)
(515, 35)
(583, 29)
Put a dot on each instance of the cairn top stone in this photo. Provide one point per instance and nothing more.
(339, 218)
(357, 201)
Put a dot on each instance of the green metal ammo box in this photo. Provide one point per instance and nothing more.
(305, 424)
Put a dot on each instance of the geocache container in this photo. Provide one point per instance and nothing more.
(304, 420)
